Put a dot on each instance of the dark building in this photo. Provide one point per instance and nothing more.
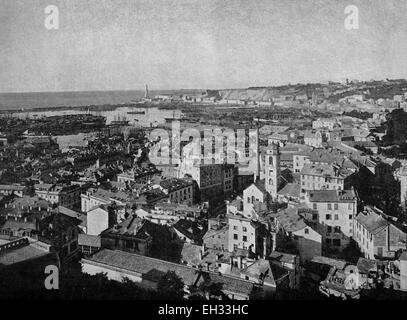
(131, 235)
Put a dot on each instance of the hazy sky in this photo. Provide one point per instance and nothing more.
(172, 44)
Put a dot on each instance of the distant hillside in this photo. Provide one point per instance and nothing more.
(261, 93)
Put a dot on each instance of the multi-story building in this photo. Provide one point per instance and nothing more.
(229, 172)
(329, 124)
(209, 178)
(315, 139)
(292, 228)
(299, 160)
(325, 177)
(95, 197)
(216, 236)
(61, 233)
(169, 213)
(130, 235)
(67, 196)
(255, 193)
(178, 190)
(138, 175)
(377, 236)
(245, 233)
(336, 211)
(10, 189)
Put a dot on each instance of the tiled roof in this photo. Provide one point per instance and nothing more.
(189, 229)
(332, 195)
(339, 264)
(153, 268)
(282, 257)
(291, 190)
(132, 226)
(260, 184)
(89, 240)
(323, 169)
(72, 213)
(174, 184)
(21, 254)
(11, 187)
(143, 264)
(290, 220)
(264, 270)
(372, 221)
(366, 265)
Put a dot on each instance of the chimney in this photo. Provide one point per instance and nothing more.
(265, 247)
(239, 262)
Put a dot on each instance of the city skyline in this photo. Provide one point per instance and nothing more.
(172, 45)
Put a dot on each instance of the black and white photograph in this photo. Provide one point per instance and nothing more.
(205, 154)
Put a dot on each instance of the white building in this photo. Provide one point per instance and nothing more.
(336, 213)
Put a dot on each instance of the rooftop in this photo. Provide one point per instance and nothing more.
(146, 265)
(372, 220)
(331, 195)
(325, 170)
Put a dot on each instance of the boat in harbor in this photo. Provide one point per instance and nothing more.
(136, 112)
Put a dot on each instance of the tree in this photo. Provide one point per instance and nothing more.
(171, 286)
(211, 290)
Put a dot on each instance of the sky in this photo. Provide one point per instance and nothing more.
(205, 44)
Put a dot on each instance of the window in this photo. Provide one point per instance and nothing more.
(244, 229)
(336, 206)
(234, 227)
(306, 231)
(336, 217)
(235, 236)
(349, 206)
(328, 217)
(329, 206)
(329, 229)
(315, 206)
(337, 229)
(248, 199)
(314, 217)
(244, 238)
(350, 216)
(337, 242)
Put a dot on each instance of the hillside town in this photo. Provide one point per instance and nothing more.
(318, 212)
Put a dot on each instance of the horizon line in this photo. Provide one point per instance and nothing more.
(205, 88)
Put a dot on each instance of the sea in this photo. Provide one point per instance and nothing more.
(23, 105)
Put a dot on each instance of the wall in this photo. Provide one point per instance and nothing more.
(97, 221)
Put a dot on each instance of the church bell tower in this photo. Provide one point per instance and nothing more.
(272, 169)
